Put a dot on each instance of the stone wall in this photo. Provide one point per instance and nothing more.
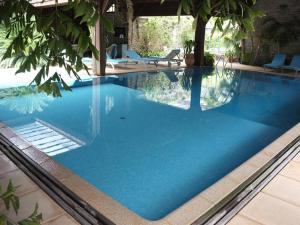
(284, 11)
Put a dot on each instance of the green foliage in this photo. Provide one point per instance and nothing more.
(10, 200)
(152, 40)
(238, 14)
(232, 12)
(187, 29)
(209, 59)
(233, 39)
(181, 31)
(213, 41)
(9, 197)
(4, 44)
(248, 58)
(45, 38)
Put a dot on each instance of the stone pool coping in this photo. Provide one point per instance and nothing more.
(185, 214)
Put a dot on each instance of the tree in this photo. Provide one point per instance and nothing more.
(230, 12)
(42, 38)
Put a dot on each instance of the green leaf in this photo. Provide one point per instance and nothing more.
(179, 11)
(233, 4)
(83, 43)
(93, 20)
(34, 219)
(2, 220)
(108, 25)
(65, 86)
(94, 51)
(39, 76)
(80, 9)
(8, 52)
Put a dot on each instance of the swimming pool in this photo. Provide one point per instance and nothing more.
(152, 141)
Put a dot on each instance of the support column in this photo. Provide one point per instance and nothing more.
(99, 65)
(130, 16)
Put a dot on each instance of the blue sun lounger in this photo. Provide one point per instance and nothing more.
(109, 61)
(133, 55)
(295, 64)
(277, 62)
(173, 56)
(113, 62)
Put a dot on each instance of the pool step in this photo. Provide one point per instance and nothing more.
(48, 138)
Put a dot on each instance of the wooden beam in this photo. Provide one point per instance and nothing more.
(156, 9)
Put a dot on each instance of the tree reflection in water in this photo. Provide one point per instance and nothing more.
(24, 100)
(165, 88)
(194, 89)
(219, 88)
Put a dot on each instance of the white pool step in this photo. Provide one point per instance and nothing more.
(48, 138)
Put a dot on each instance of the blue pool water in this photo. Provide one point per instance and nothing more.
(152, 141)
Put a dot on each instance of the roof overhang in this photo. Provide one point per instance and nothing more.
(141, 7)
(155, 8)
(47, 3)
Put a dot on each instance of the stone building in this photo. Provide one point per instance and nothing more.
(281, 20)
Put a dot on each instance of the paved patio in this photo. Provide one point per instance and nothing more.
(8, 77)
(260, 69)
(30, 194)
(278, 203)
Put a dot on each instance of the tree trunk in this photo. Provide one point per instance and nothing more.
(199, 42)
(99, 65)
(130, 22)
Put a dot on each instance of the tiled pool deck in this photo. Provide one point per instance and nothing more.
(187, 213)
(30, 194)
(260, 69)
(278, 203)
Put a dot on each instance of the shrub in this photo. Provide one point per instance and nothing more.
(152, 39)
(209, 59)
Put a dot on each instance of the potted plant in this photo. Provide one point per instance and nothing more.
(188, 52)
